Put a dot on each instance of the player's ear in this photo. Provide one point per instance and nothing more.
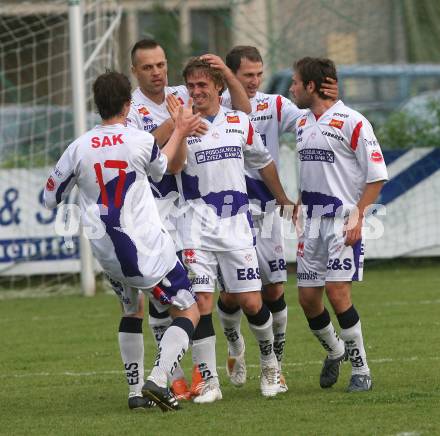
(311, 87)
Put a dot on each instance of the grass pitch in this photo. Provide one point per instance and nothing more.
(60, 370)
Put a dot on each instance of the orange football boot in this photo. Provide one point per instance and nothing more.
(180, 389)
(197, 382)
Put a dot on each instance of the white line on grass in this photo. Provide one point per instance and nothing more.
(110, 314)
(288, 364)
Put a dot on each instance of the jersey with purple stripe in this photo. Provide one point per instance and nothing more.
(272, 115)
(338, 154)
(111, 165)
(147, 115)
(212, 184)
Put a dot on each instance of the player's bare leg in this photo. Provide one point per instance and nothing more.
(273, 297)
(339, 295)
(318, 317)
(206, 389)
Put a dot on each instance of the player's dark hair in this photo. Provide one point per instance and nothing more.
(195, 64)
(111, 91)
(315, 70)
(234, 57)
(143, 44)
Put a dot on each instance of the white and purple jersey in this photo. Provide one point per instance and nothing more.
(272, 115)
(147, 115)
(111, 165)
(338, 154)
(216, 214)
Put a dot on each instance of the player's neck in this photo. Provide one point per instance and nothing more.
(157, 98)
(319, 106)
(209, 112)
(120, 119)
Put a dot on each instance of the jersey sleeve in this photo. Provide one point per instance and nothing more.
(61, 180)
(287, 114)
(157, 164)
(225, 100)
(255, 153)
(368, 152)
(180, 92)
(133, 118)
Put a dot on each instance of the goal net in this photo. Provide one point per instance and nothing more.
(36, 125)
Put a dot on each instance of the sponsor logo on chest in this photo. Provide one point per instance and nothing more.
(332, 135)
(220, 153)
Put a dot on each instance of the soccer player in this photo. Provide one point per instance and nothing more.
(148, 112)
(341, 174)
(110, 165)
(216, 228)
(272, 115)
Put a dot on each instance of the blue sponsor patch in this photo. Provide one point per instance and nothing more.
(219, 153)
(317, 155)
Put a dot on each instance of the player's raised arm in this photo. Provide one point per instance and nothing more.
(163, 132)
(175, 149)
(330, 88)
(239, 98)
(60, 182)
(173, 105)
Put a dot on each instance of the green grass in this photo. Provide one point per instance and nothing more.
(60, 370)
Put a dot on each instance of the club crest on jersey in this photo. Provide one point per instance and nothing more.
(262, 106)
(189, 256)
(232, 118)
(376, 157)
(143, 111)
(302, 122)
(50, 184)
(336, 123)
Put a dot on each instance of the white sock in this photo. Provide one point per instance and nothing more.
(355, 347)
(158, 327)
(264, 335)
(330, 341)
(231, 328)
(279, 327)
(172, 348)
(131, 346)
(203, 355)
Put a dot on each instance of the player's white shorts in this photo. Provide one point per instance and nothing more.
(235, 271)
(322, 255)
(173, 290)
(270, 248)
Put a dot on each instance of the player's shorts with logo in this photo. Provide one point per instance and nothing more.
(270, 248)
(234, 271)
(173, 290)
(322, 255)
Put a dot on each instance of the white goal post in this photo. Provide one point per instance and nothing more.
(50, 54)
